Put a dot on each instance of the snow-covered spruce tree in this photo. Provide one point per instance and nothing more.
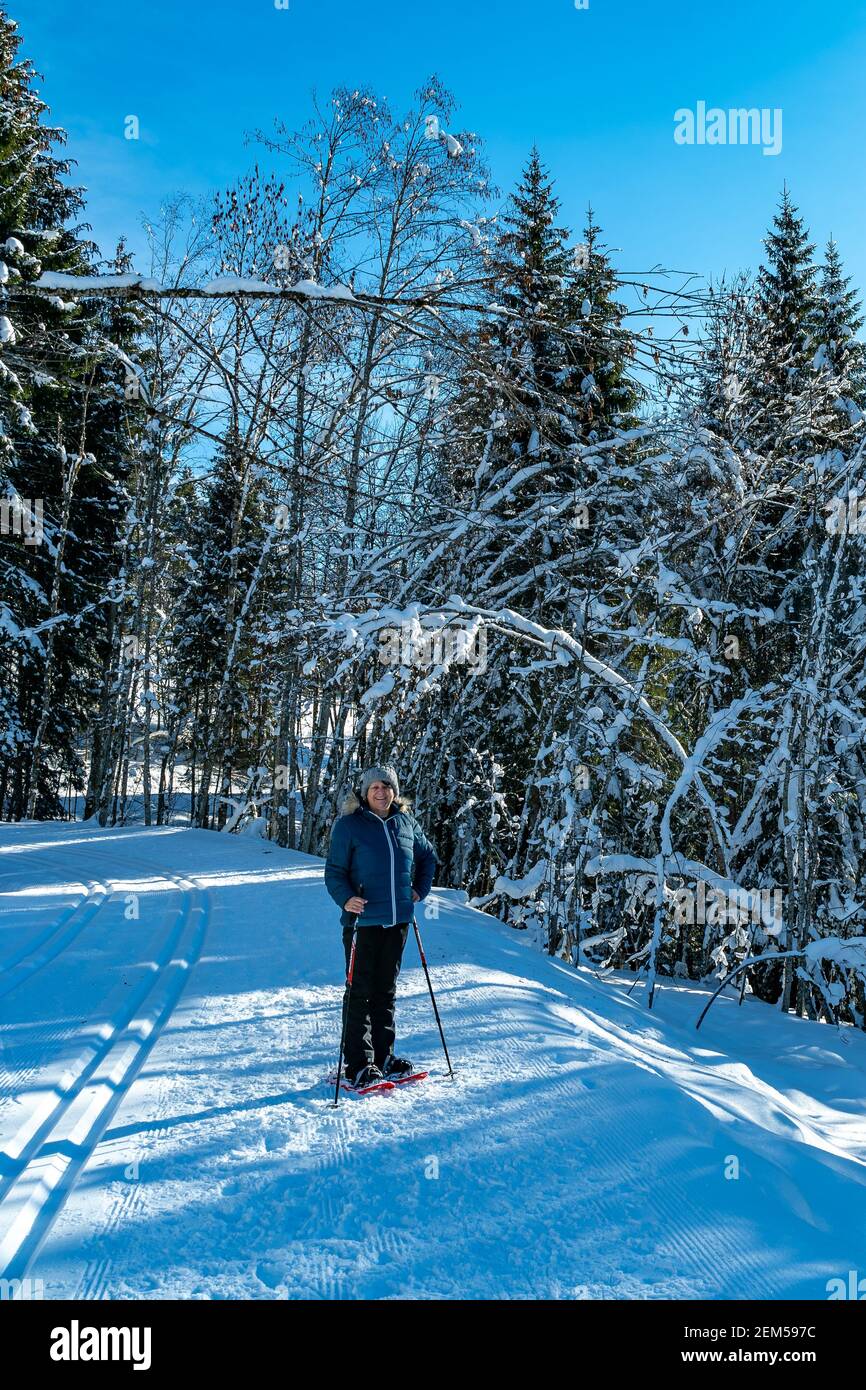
(796, 474)
(118, 422)
(514, 430)
(798, 407)
(602, 356)
(588, 762)
(783, 345)
(756, 420)
(60, 455)
(782, 368)
(548, 481)
(840, 355)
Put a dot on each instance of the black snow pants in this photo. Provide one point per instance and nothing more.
(370, 1024)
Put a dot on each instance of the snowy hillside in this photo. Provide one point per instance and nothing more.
(168, 1009)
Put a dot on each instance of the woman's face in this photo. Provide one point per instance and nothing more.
(379, 797)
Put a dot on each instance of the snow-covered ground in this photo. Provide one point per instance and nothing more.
(169, 1007)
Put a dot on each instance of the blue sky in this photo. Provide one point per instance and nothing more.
(596, 89)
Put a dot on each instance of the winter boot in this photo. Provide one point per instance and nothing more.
(368, 1076)
(396, 1067)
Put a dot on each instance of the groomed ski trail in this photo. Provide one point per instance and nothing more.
(42, 1162)
(586, 1148)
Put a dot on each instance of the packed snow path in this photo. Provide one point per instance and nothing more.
(169, 1004)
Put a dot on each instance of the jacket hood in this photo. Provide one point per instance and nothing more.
(352, 802)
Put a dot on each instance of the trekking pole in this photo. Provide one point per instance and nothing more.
(349, 975)
(432, 995)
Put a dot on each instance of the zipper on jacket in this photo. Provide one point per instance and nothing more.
(393, 885)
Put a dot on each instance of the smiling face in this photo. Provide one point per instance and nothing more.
(379, 797)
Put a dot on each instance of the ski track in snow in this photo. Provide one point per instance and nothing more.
(41, 1164)
(167, 1131)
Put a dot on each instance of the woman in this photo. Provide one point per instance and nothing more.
(378, 846)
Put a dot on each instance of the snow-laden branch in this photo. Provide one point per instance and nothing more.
(562, 646)
(751, 901)
(516, 888)
(241, 287)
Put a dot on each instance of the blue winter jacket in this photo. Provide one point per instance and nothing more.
(389, 857)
